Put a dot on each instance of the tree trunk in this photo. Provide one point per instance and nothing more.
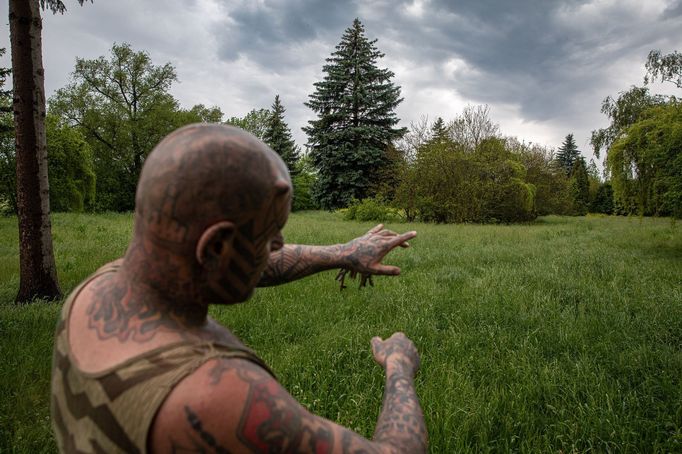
(38, 276)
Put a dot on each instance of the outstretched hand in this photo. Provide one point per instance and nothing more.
(364, 254)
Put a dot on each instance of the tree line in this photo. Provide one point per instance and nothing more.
(102, 125)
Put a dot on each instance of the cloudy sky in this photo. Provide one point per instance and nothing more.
(543, 66)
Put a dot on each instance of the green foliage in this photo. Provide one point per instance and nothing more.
(646, 164)
(374, 209)
(568, 154)
(72, 177)
(57, 6)
(255, 122)
(8, 183)
(447, 183)
(603, 199)
(622, 112)
(355, 122)
(552, 186)
(123, 108)
(666, 68)
(278, 136)
(202, 114)
(528, 343)
(580, 187)
(303, 181)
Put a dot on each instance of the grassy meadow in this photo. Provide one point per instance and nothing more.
(564, 335)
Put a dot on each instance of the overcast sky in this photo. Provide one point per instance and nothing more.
(543, 66)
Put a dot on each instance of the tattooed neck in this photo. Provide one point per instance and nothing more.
(123, 310)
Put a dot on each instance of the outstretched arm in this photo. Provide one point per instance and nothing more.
(361, 255)
(232, 405)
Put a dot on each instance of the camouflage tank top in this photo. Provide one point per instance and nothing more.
(112, 410)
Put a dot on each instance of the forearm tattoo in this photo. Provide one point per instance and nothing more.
(272, 421)
(295, 261)
(401, 422)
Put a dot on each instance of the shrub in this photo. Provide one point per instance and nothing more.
(372, 209)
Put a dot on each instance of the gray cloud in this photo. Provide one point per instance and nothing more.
(542, 65)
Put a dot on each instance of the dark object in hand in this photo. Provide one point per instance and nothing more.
(364, 278)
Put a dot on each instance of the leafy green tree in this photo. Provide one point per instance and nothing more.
(123, 108)
(622, 112)
(449, 183)
(72, 174)
(552, 186)
(355, 122)
(603, 199)
(255, 122)
(646, 164)
(580, 186)
(304, 181)
(666, 68)
(567, 154)
(278, 137)
(202, 114)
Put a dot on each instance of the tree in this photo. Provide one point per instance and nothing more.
(355, 122)
(72, 174)
(567, 154)
(123, 107)
(473, 126)
(439, 132)
(278, 137)
(255, 122)
(552, 186)
(37, 270)
(666, 68)
(580, 186)
(646, 164)
(623, 112)
(603, 199)
(303, 182)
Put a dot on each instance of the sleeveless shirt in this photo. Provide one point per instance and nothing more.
(112, 410)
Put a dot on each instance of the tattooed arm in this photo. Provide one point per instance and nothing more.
(233, 405)
(361, 255)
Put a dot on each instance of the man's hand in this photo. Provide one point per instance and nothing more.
(396, 350)
(363, 255)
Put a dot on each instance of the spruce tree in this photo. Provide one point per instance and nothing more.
(355, 122)
(567, 154)
(439, 132)
(278, 137)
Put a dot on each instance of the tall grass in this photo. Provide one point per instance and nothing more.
(563, 335)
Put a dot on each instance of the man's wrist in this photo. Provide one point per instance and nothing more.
(401, 365)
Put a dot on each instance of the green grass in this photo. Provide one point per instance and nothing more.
(563, 335)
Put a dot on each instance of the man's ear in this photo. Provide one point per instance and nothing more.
(215, 243)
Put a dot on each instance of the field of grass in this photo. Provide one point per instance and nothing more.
(560, 336)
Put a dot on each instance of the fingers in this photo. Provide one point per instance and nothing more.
(376, 228)
(402, 239)
(385, 270)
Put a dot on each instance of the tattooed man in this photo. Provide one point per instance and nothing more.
(139, 366)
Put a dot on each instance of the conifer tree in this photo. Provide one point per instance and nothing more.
(439, 132)
(567, 154)
(355, 122)
(278, 137)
